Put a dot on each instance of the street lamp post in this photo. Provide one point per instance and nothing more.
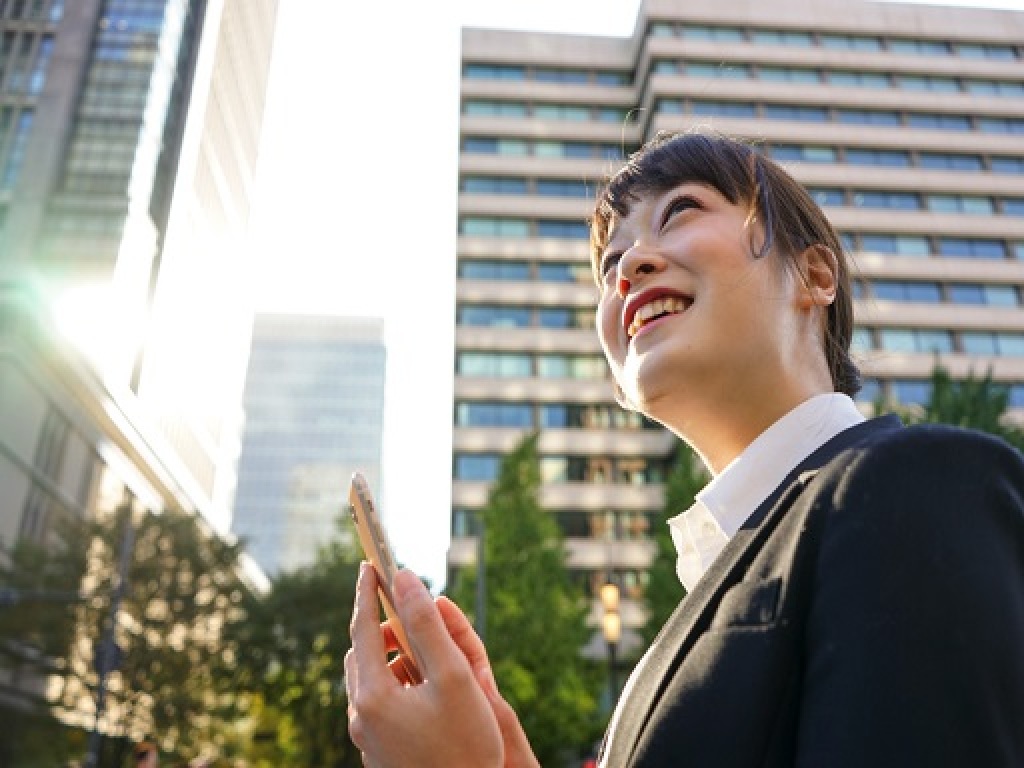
(611, 628)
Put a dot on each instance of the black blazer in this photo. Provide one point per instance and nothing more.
(869, 613)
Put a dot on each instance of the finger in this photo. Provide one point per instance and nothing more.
(368, 650)
(469, 642)
(433, 646)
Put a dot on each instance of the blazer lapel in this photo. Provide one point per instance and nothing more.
(684, 626)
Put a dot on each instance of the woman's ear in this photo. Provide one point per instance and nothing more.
(819, 273)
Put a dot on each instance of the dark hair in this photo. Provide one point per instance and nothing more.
(790, 218)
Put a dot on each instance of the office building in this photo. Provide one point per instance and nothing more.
(128, 138)
(906, 122)
(314, 414)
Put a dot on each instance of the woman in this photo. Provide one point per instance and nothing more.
(856, 587)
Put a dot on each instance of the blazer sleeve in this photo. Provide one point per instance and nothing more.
(914, 634)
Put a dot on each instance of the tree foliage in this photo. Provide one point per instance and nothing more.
(291, 653)
(663, 593)
(535, 616)
(972, 402)
(183, 590)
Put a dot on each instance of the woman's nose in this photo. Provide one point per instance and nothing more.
(636, 261)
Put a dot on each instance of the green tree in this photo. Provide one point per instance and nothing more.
(290, 654)
(976, 403)
(663, 592)
(535, 616)
(183, 590)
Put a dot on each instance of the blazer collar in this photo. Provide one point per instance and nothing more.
(679, 633)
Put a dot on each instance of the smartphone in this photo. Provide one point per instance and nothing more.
(374, 541)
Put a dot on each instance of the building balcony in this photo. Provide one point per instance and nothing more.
(473, 495)
(586, 391)
(583, 294)
(603, 442)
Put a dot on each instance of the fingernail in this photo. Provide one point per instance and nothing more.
(408, 586)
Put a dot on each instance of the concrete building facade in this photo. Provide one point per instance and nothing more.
(905, 122)
(314, 414)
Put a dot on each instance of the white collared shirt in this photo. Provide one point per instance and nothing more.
(701, 532)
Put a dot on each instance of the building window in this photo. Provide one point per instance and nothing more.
(723, 109)
(722, 70)
(1007, 164)
(897, 245)
(489, 227)
(782, 37)
(477, 468)
(564, 272)
(494, 317)
(487, 185)
(851, 43)
(938, 122)
(890, 158)
(575, 230)
(1001, 125)
(971, 248)
(794, 112)
(862, 340)
(788, 74)
(859, 79)
(995, 88)
(712, 34)
(564, 76)
(990, 295)
(868, 117)
(827, 196)
(949, 162)
(564, 188)
(986, 51)
(896, 290)
(912, 391)
(494, 270)
(784, 153)
(1013, 206)
(494, 364)
(959, 204)
(573, 114)
(920, 47)
(898, 201)
(572, 367)
(914, 341)
(494, 415)
(493, 72)
(494, 109)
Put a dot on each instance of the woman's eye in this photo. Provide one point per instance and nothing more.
(678, 205)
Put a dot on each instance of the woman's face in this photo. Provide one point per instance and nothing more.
(691, 321)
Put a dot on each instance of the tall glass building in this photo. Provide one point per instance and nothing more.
(128, 139)
(314, 414)
(906, 122)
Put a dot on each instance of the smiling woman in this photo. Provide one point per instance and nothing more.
(824, 562)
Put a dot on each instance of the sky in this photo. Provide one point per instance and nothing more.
(354, 209)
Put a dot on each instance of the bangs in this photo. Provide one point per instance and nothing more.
(673, 159)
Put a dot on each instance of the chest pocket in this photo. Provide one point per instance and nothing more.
(748, 604)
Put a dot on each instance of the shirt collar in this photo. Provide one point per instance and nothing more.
(702, 531)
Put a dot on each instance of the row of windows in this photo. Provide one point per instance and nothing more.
(545, 74)
(24, 71)
(823, 114)
(555, 415)
(842, 42)
(16, 146)
(515, 185)
(894, 244)
(919, 392)
(32, 10)
(545, 272)
(479, 145)
(483, 467)
(485, 226)
(570, 112)
(852, 78)
(525, 365)
(896, 158)
(912, 201)
(503, 316)
(920, 291)
(921, 341)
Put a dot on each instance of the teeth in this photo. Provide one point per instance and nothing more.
(669, 304)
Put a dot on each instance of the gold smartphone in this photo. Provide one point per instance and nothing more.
(375, 545)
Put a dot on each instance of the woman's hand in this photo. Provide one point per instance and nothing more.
(456, 717)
